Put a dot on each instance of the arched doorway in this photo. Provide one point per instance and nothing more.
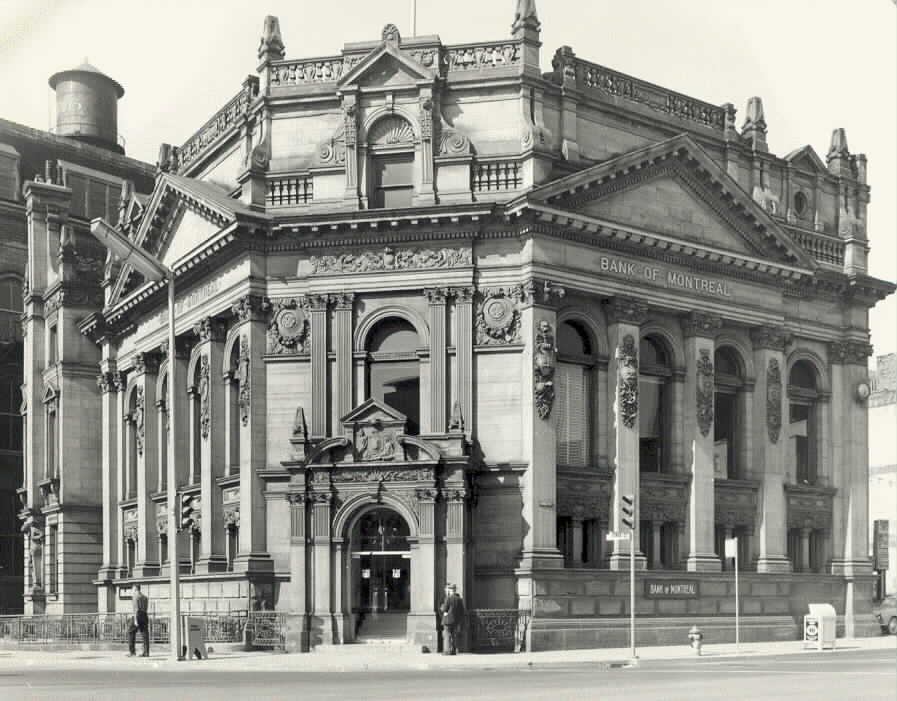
(380, 573)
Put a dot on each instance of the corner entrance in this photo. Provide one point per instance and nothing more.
(381, 574)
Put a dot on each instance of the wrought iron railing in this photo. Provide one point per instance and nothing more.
(498, 630)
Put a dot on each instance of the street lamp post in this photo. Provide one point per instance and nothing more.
(152, 269)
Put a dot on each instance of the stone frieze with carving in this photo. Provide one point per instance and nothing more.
(389, 258)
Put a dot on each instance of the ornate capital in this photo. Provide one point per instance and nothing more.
(320, 498)
(852, 352)
(542, 292)
(296, 499)
(106, 382)
(119, 381)
(436, 295)
(231, 518)
(769, 338)
(701, 324)
(463, 295)
(625, 310)
(146, 363)
(343, 301)
(248, 308)
(426, 494)
(210, 329)
(318, 303)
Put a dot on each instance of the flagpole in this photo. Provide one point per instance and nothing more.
(414, 18)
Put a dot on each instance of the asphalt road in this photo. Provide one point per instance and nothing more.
(842, 676)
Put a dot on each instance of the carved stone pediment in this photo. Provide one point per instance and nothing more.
(389, 66)
(372, 416)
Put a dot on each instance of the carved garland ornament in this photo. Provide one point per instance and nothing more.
(543, 369)
(288, 330)
(243, 379)
(205, 419)
(390, 259)
(627, 369)
(773, 400)
(140, 419)
(497, 321)
(704, 392)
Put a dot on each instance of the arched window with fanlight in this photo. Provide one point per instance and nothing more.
(727, 413)
(655, 373)
(394, 368)
(573, 390)
(803, 398)
(391, 148)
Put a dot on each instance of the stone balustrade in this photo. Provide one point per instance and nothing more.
(825, 249)
(309, 71)
(482, 56)
(223, 121)
(497, 176)
(289, 191)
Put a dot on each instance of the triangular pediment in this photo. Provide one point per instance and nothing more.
(806, 158)
(373, 412)
(386, 67)
(181, 215)
(675, 190)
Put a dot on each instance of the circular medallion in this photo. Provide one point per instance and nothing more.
(498, 312)
(290, 323)
(863, 391)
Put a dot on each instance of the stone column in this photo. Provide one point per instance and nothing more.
(538, 318)
(298, 568)
(342, 340)
(463, 338)
(425, 193)
(438, 375)
(576, 526)
(656, 562)
(850, 420)
(769, 412)
(121, 458)
(320, 388)
(699, 331)
(111, 418)
(350, 123)
(180, 432)
(624, 317)
(322, 623)
(600, 547)
(146, 368)
(212, 397)
(252, 406)
(422, 619)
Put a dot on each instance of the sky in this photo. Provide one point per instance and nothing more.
(817, 64)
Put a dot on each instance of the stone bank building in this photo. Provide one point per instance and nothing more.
(437, 311)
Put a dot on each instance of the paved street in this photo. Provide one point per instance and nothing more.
(845, 675)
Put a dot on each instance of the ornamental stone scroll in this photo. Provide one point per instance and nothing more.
(627, 371)
(243, 379)
(704, 390)
(544, 357)
(773, 400)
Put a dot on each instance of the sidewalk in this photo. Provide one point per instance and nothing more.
(381, 658)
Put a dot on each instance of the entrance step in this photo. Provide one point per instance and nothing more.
(383, 626)
(371, 647)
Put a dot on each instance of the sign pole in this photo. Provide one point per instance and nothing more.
(174, 564)
(737, 605)
(632, 595)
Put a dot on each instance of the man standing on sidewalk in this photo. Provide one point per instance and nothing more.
(140, 622)
(452, 619)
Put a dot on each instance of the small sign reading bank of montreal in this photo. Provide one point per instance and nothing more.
(672, 589)
(661, 276)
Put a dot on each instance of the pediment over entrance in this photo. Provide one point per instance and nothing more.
(675, 189)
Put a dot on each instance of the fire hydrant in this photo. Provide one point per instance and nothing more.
(697, 639)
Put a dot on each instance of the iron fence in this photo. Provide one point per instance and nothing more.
(498, 630)
(266, 629)
(86, 628)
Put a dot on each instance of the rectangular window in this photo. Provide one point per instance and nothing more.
(393, 181)
(163, 548)
(571, 397)
(53, 559)
(802, 431)
(52, 345)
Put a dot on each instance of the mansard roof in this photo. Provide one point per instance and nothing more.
(744, 227)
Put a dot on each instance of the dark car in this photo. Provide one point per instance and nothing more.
(886, 613)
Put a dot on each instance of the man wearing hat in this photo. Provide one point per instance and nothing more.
(452, 619)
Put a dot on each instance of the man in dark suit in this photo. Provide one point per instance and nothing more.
(452, 619)
(140, 622)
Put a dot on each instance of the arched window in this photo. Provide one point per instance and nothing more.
(572, 384)
(394, 368)
(392, 177)
(727, 413)
(803, 397)
(199, 393)
(655, 371)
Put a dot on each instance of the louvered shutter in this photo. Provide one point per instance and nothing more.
(571, 398)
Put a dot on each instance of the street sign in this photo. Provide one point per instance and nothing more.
(617, 536)
(880, 541)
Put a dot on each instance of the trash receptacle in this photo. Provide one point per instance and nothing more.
(196, 644)
(820, 626)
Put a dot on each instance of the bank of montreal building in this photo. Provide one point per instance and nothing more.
(437, 312)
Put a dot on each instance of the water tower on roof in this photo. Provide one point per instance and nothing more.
(87, 106)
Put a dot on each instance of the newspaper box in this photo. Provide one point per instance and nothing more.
(195, 638)
(820, 626)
